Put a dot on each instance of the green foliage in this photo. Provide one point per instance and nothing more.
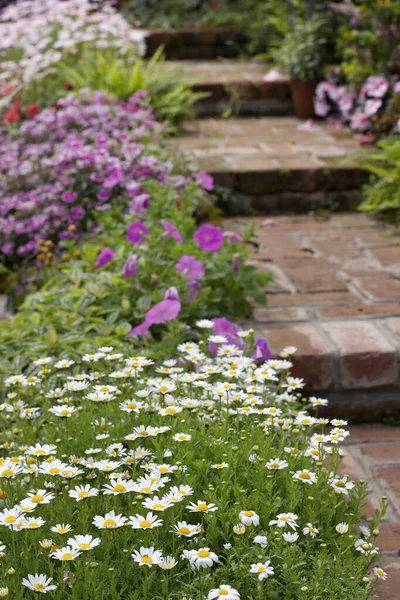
(382, 193)
(306, 50)
(369, 39)
(121, 76)
(81, 305)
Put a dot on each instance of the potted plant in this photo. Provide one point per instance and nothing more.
(303, 55)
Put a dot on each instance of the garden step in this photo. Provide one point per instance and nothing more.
(196, 42)
(276, 163)
(336, 297)
(236, 86)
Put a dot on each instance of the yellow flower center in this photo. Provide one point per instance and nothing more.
(39, 452)
(119, 488)
(62, 530)
(305, 475)
(143, 432)
(170, 410)
(260, 569)
(203, 553)
(84, 546)
(145, 524)
(248, 513)
(182, 437)
(162, 469)
(39, 586)
(146, 490)
(34, 525)
(37, 498)
(223, 592)
(163, 388)
(10, 519)
(184, 530)
(147, 559)
(65, 412)
(54, 471)
(219, 465)
(83, 494)
(7, 473)
(109, 523)
(340, 484)
(158, 506)
(67, 556)
(132, 405)
(104, 389)
(202, 507)
(14, 459)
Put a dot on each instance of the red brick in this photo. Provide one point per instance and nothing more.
(360, 311)
(387, 453)
(367, 358)
(274, 315)
(374, 433)
(388, 256)
(323, 298)
(316, 280)
(389, 537)
(313, 360)
(389, 589)
(378, 289)
(336, 248)
(391, 482)
(394, 326)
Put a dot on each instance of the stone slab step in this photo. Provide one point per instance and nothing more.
(336, 297)
(196, 42)
(273, 164)
(236, 86)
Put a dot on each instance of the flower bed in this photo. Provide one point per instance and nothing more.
(197, 476)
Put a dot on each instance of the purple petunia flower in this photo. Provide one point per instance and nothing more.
(136, 231)
(228, 329)
(194, 289)
(130, 267)
(170, 231)
(105, 257)
(262, 351)
(359, 121)
(114, 179)
(209, 238)
(162, 312)
(205, 181)
(190, 267)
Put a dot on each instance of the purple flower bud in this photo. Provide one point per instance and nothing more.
(205, 181)
(236, 263)
(194, 289)
(171, 294)
(105, 257)
(130, 267)
(232, 237)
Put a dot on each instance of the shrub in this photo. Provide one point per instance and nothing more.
(184, 481)
(382, 193)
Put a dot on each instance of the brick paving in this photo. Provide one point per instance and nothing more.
(272, 164)
(335, 296)
(372, 453)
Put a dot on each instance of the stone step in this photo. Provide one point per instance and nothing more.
(196, 42)
(237, 87)
(336, 297)
(273, 164)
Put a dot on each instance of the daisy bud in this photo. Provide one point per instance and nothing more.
(93, 564)
(365, 580)
(3, 592)
(46, 544)
(2, 554)
(304, 588)
(11, 571)
(3, 494)
(239, 529)
(375, 532)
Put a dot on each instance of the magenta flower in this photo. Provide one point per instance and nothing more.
(194, 289)
(141, 329)
(130, 267)
(114, 179)
(375, 86)
(69, 196)
(162, 312)
(105, 257)
(321, 107)
(136, 231)
(170, 231)
(262, 351)
(228, 329)
(205, 181)
(209, 238)
(190, 267)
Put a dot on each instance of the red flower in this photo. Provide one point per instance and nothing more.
(6, 89)
(67, 85)
(11, 116)
(32, 110)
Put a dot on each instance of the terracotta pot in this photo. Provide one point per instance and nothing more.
(302, 97)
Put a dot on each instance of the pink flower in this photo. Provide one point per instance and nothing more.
(105, 257)
(329, 89)
(170, 231)
(321, 107)
(262, 351)
(69, 196)
(136, 231)
(359, 121)
(396, 87)
(130, 267)
(205, 181)
(375, 86)
(190, 267)
(372, 106)
(209, 238)
(162, 312)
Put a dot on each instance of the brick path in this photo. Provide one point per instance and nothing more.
(373, 454)
(272, 164)
(336, 297)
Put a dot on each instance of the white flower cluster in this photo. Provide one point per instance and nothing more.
(34, 35)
